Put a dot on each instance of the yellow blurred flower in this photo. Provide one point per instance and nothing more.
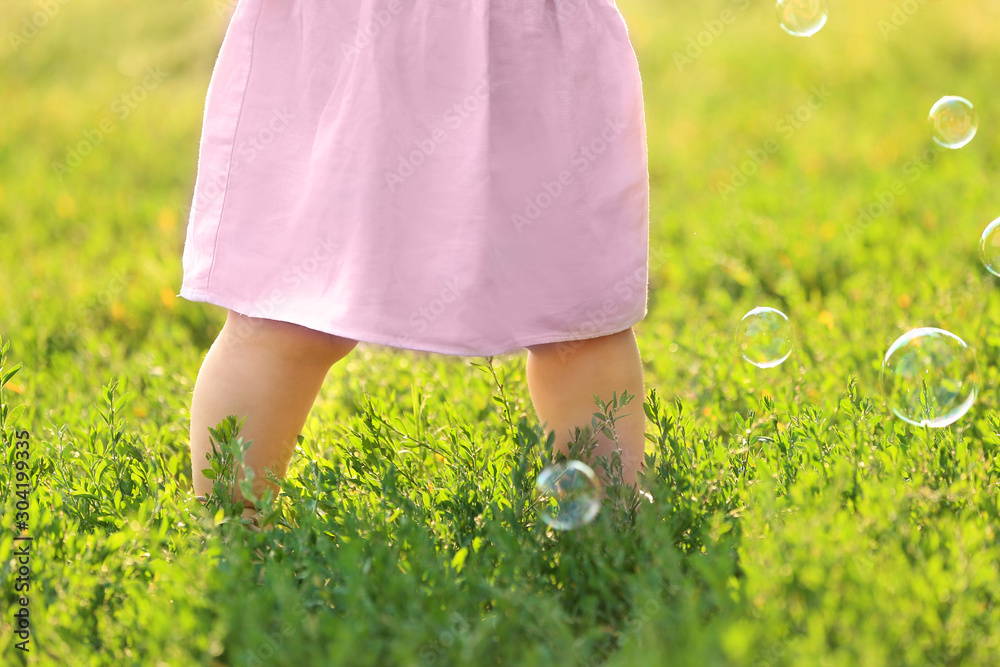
(167, 297)
(930, 219)
(826, 317)
(166, 220)
(65, 205)
(827, 231)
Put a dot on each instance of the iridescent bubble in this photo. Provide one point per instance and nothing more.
(802, 18)
(930, 377)
(765, 337)
(569, 495)
(953, 121)
(989, 247)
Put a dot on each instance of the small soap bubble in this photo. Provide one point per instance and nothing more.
(989, 247)
(953, 121)
(569, 495)
(765, 337)
(930, 377)
(802, 18)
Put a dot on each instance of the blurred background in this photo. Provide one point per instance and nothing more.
(764, 150)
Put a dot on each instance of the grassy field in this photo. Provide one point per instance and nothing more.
(796, 522)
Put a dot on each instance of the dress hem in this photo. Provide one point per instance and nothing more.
(236, 305)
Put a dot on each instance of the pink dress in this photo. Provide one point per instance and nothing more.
(463, 177)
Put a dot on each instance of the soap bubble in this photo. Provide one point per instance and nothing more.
(989, 247)
(765, 337)
(568, 495)
(802, 18)
(930, 377)
(953, 121)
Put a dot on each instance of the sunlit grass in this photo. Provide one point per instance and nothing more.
(796, 521)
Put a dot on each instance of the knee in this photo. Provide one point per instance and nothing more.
(287, 338)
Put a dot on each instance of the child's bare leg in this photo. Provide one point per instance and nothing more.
(269, 372)
(562, 381)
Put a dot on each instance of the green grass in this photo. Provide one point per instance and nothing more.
(796, 521)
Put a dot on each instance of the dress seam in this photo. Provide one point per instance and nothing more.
(569, 63)
(232, 150)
